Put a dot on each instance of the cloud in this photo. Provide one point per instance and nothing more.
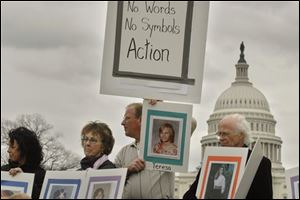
(257, 24)
(52, 24)
(71, 65)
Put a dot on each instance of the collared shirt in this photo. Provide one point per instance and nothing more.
(147, 184)
(220, 183)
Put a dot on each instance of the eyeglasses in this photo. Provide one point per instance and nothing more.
(222, 134)
(91, 140)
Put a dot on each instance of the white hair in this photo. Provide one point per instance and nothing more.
(241, 125)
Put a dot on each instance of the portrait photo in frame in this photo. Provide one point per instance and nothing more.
(62, 184)
(221, 172)
(105, 183)
(10, 185)
(292, 182)
(160, 127)
(165, 136)
(220, 180)
(103, 190)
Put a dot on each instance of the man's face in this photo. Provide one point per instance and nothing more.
(131, 124)
(228, 136)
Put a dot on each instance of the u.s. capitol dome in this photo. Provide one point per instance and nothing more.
(243, 98)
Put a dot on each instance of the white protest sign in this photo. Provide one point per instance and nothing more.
(292, 182)
(165, 136)
(250, 171)
(153, 48)
(104, 183)
(22, 182)
(221, 172)
(63, 184)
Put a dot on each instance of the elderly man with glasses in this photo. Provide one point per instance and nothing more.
(233, 131)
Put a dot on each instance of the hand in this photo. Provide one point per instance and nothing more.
(152, 102)
(15, 171)
(136, 165)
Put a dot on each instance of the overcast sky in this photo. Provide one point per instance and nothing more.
(51, 55)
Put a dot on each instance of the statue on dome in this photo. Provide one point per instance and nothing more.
(242, 47)
(242, 59)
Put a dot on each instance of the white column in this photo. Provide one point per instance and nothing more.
(263, 148)
(202, 152)
(269, 151)
(273, 152)
(279, 155)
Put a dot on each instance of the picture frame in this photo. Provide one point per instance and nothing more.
(165, 136)
(171, 67)
(105, 184)
(292, 182)
(63, 184)
(221, 172)
(22, 182)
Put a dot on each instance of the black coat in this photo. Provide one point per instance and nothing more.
(261, 187)
(38, 178)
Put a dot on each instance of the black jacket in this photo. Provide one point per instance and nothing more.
(38, 178)
(261, 187)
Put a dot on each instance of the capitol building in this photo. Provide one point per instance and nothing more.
(243, 98)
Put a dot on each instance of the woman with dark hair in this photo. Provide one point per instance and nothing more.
(25, 155)
(97, 142)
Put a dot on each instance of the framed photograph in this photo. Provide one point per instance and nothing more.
(155, 49)
(292, 182)
(62, 184)
(10, 185)
(165, 136)
(221, 172)
(105, 184)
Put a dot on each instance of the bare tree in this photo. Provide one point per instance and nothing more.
(56, 157)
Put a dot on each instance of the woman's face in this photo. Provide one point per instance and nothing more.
(166, 134)
(221, 170)
(14, 152)
(92, 145)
